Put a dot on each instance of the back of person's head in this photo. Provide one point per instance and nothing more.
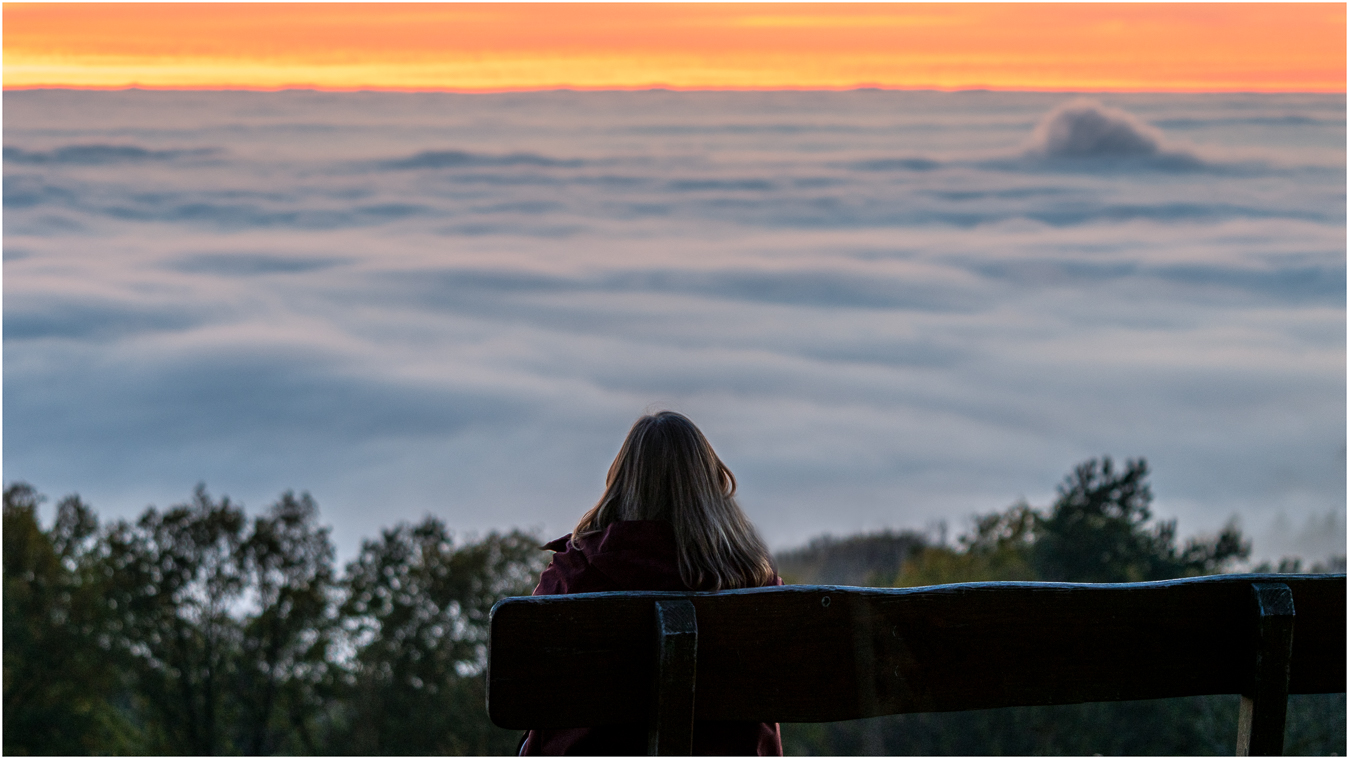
(666, 470)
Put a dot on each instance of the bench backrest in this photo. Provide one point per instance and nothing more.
(827, 653)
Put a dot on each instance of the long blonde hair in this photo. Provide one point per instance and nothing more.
(666, 470)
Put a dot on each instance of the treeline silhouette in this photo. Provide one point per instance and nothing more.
(197, 630)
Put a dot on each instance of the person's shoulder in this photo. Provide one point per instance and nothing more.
(569, 571)
(561, 544)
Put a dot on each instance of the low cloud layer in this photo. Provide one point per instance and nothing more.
(458, 159)
(415, 303)
(98, 155)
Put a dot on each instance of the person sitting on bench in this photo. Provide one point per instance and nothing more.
(668, 520)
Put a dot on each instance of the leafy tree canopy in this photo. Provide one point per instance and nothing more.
(195, 630)
(1099, 529)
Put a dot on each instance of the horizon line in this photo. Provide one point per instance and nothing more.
(674, 88)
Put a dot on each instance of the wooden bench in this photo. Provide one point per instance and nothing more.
(802, 653)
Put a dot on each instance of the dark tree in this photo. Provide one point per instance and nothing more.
(59, 681)
(284, 673)
(175, 578)
(1098, 531)
(418, 606)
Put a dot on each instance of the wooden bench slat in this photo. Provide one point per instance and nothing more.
(825, 653)
(1264, 705)
(672, 692)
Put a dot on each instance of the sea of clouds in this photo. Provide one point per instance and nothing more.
(885, 309)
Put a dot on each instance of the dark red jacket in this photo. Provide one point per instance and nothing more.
(638, 555)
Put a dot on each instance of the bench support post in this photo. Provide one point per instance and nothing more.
(671, 732)
(1264, 705)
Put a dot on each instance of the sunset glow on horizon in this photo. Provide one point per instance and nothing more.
(1251, 47)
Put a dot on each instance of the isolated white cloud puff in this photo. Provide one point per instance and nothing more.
(1085, 130)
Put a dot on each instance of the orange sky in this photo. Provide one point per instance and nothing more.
(477, 47)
